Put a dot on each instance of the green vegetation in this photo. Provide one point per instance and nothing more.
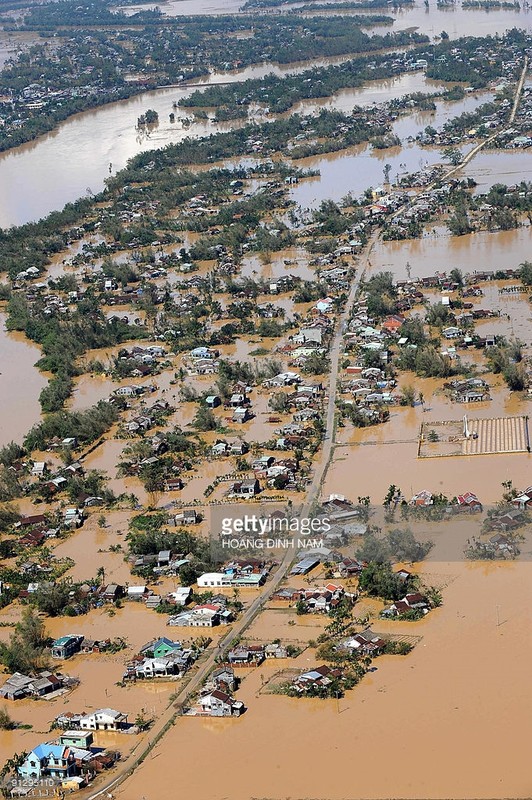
(25, 651)
(506, 359)
(280, 94)
(99, 49)
(85, 426)
(6, 723)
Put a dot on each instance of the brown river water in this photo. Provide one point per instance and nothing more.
(20, 385)
(63, 165)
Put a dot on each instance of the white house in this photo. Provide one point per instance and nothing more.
(220, 704)
(210, 579)
(104, 719)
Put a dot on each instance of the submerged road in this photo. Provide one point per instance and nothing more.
(472, 153)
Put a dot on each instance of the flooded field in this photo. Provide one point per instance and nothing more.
(433, 253)
(13, 43)
(491, 167)
(355, 170)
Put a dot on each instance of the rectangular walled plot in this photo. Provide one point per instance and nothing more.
(470, 437)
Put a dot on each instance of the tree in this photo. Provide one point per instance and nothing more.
(405, 547)
(412, 329)
(8, 517)
(204, 420)
(408, 396)
(237, 603)
(6, 723)
(150, 117)
(438, 315)
(391, 494)
(457, 276)
(52, 600)
(316, 364)
(301, 607)
(279, 402)
(453, 155)
(378, 580)
(525, 272)
(431, 364)
(10, 453)
(459, 223)
(188, 574)
(25, 650)
(374, 550)
(142, 722)
(280, 481)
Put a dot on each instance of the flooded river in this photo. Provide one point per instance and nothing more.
(61, 166)
(430, 19)
(77, 157)
(20, 385)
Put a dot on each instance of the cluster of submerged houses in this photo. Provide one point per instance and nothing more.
(203, 615)
(70, 762)
(160, 658)
(364, 335)
(138, 362)
(272, 471)
(44, 683)
(216, 698)
(411, 602)
(317, 678)
(67, 646)
(466, 502)
(102, 719)
(36, 528)
(469, 390)
(320, 599)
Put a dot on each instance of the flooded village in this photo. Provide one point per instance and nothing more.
(265, 375)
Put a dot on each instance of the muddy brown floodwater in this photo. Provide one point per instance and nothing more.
(452, 719)
(440, 253)
(20, 385)
(61, 166)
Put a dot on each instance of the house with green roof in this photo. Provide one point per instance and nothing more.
(159, 648)
(66, 646)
